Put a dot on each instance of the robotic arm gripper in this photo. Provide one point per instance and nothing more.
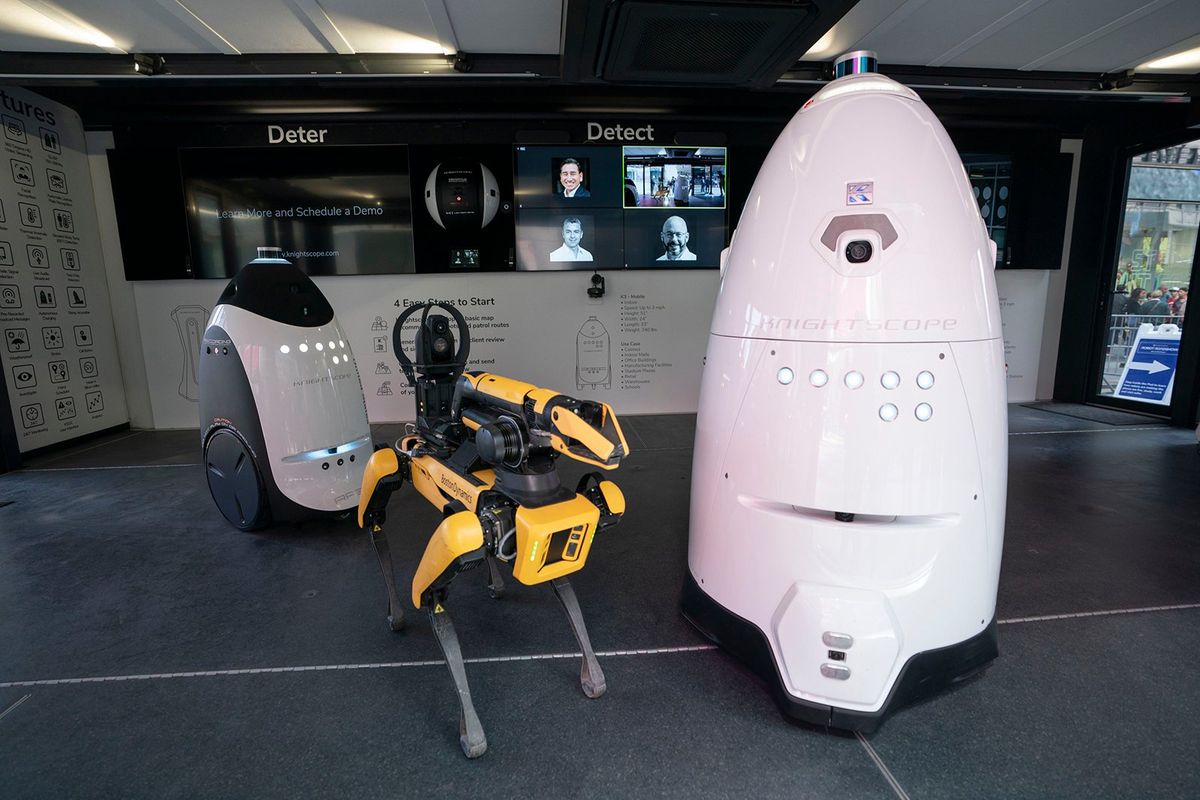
(583, 430)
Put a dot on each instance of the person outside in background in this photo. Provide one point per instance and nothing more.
(1120, 303)
(1137, 297)
(682, 190)
(1172, 299)
(1156, 307)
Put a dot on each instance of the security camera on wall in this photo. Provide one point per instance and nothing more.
(462, 196)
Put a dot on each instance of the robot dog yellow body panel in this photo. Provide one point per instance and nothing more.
(437, 482)
(509, 391)
(553, 541)
(613, 496)
(382, 464)
(458, 535)
(440, 484)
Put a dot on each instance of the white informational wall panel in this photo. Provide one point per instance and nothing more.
(640, 348)
(1023, 296)
(58, 350)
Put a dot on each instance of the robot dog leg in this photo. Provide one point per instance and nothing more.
(456, 545)
(383, 475)
(470, 731)
(591, 677)
(495, 579)
(611, 502)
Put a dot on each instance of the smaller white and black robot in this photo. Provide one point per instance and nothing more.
(283, 420)
(850, 473)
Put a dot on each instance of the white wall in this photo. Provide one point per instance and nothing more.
(120, 291)
(1022, 309)
(530, 326)
(1056, 292)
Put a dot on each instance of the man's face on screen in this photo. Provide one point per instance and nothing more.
(674, 237)
(570, 176)
(572, 234)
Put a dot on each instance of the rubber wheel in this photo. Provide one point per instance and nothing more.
(234, 481)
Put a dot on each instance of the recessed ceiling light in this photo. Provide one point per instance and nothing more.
(1187, 60)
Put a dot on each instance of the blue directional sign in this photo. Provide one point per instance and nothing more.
(1150, 371)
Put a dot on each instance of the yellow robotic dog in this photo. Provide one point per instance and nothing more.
(484, 453)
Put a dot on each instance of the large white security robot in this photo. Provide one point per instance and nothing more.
(283, 422)
(847, 512)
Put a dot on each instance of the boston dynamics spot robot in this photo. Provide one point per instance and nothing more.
(848, 494)
(483, 453)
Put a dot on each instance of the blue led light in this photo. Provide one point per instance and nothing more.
(326, 452)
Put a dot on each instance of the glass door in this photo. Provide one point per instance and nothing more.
(1150, 281)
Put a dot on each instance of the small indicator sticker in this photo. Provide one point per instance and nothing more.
(860, 194)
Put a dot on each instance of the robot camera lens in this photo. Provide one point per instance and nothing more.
(441, 346)
(858, 251)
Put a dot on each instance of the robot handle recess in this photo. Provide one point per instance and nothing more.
(406, 363)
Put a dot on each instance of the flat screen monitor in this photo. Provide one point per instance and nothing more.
(991, 178)
(691, 177)
(332, 210)
(611, 207)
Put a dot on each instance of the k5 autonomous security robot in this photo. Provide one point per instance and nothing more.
(849, 481)
(483, 453)
(283, 421)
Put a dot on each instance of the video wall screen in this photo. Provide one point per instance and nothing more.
(657, 177)
(991, 183)
(333, 210)
(607, 207)
(463, 215)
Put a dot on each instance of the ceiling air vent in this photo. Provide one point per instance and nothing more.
(715, 43)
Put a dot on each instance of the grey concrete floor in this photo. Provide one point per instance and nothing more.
(147, 649)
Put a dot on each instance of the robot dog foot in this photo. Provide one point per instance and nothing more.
(470, 731)
(591, 677)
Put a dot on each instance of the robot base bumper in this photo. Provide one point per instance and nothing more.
(924, 674)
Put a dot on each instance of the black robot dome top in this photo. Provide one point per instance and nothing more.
(279, 291)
